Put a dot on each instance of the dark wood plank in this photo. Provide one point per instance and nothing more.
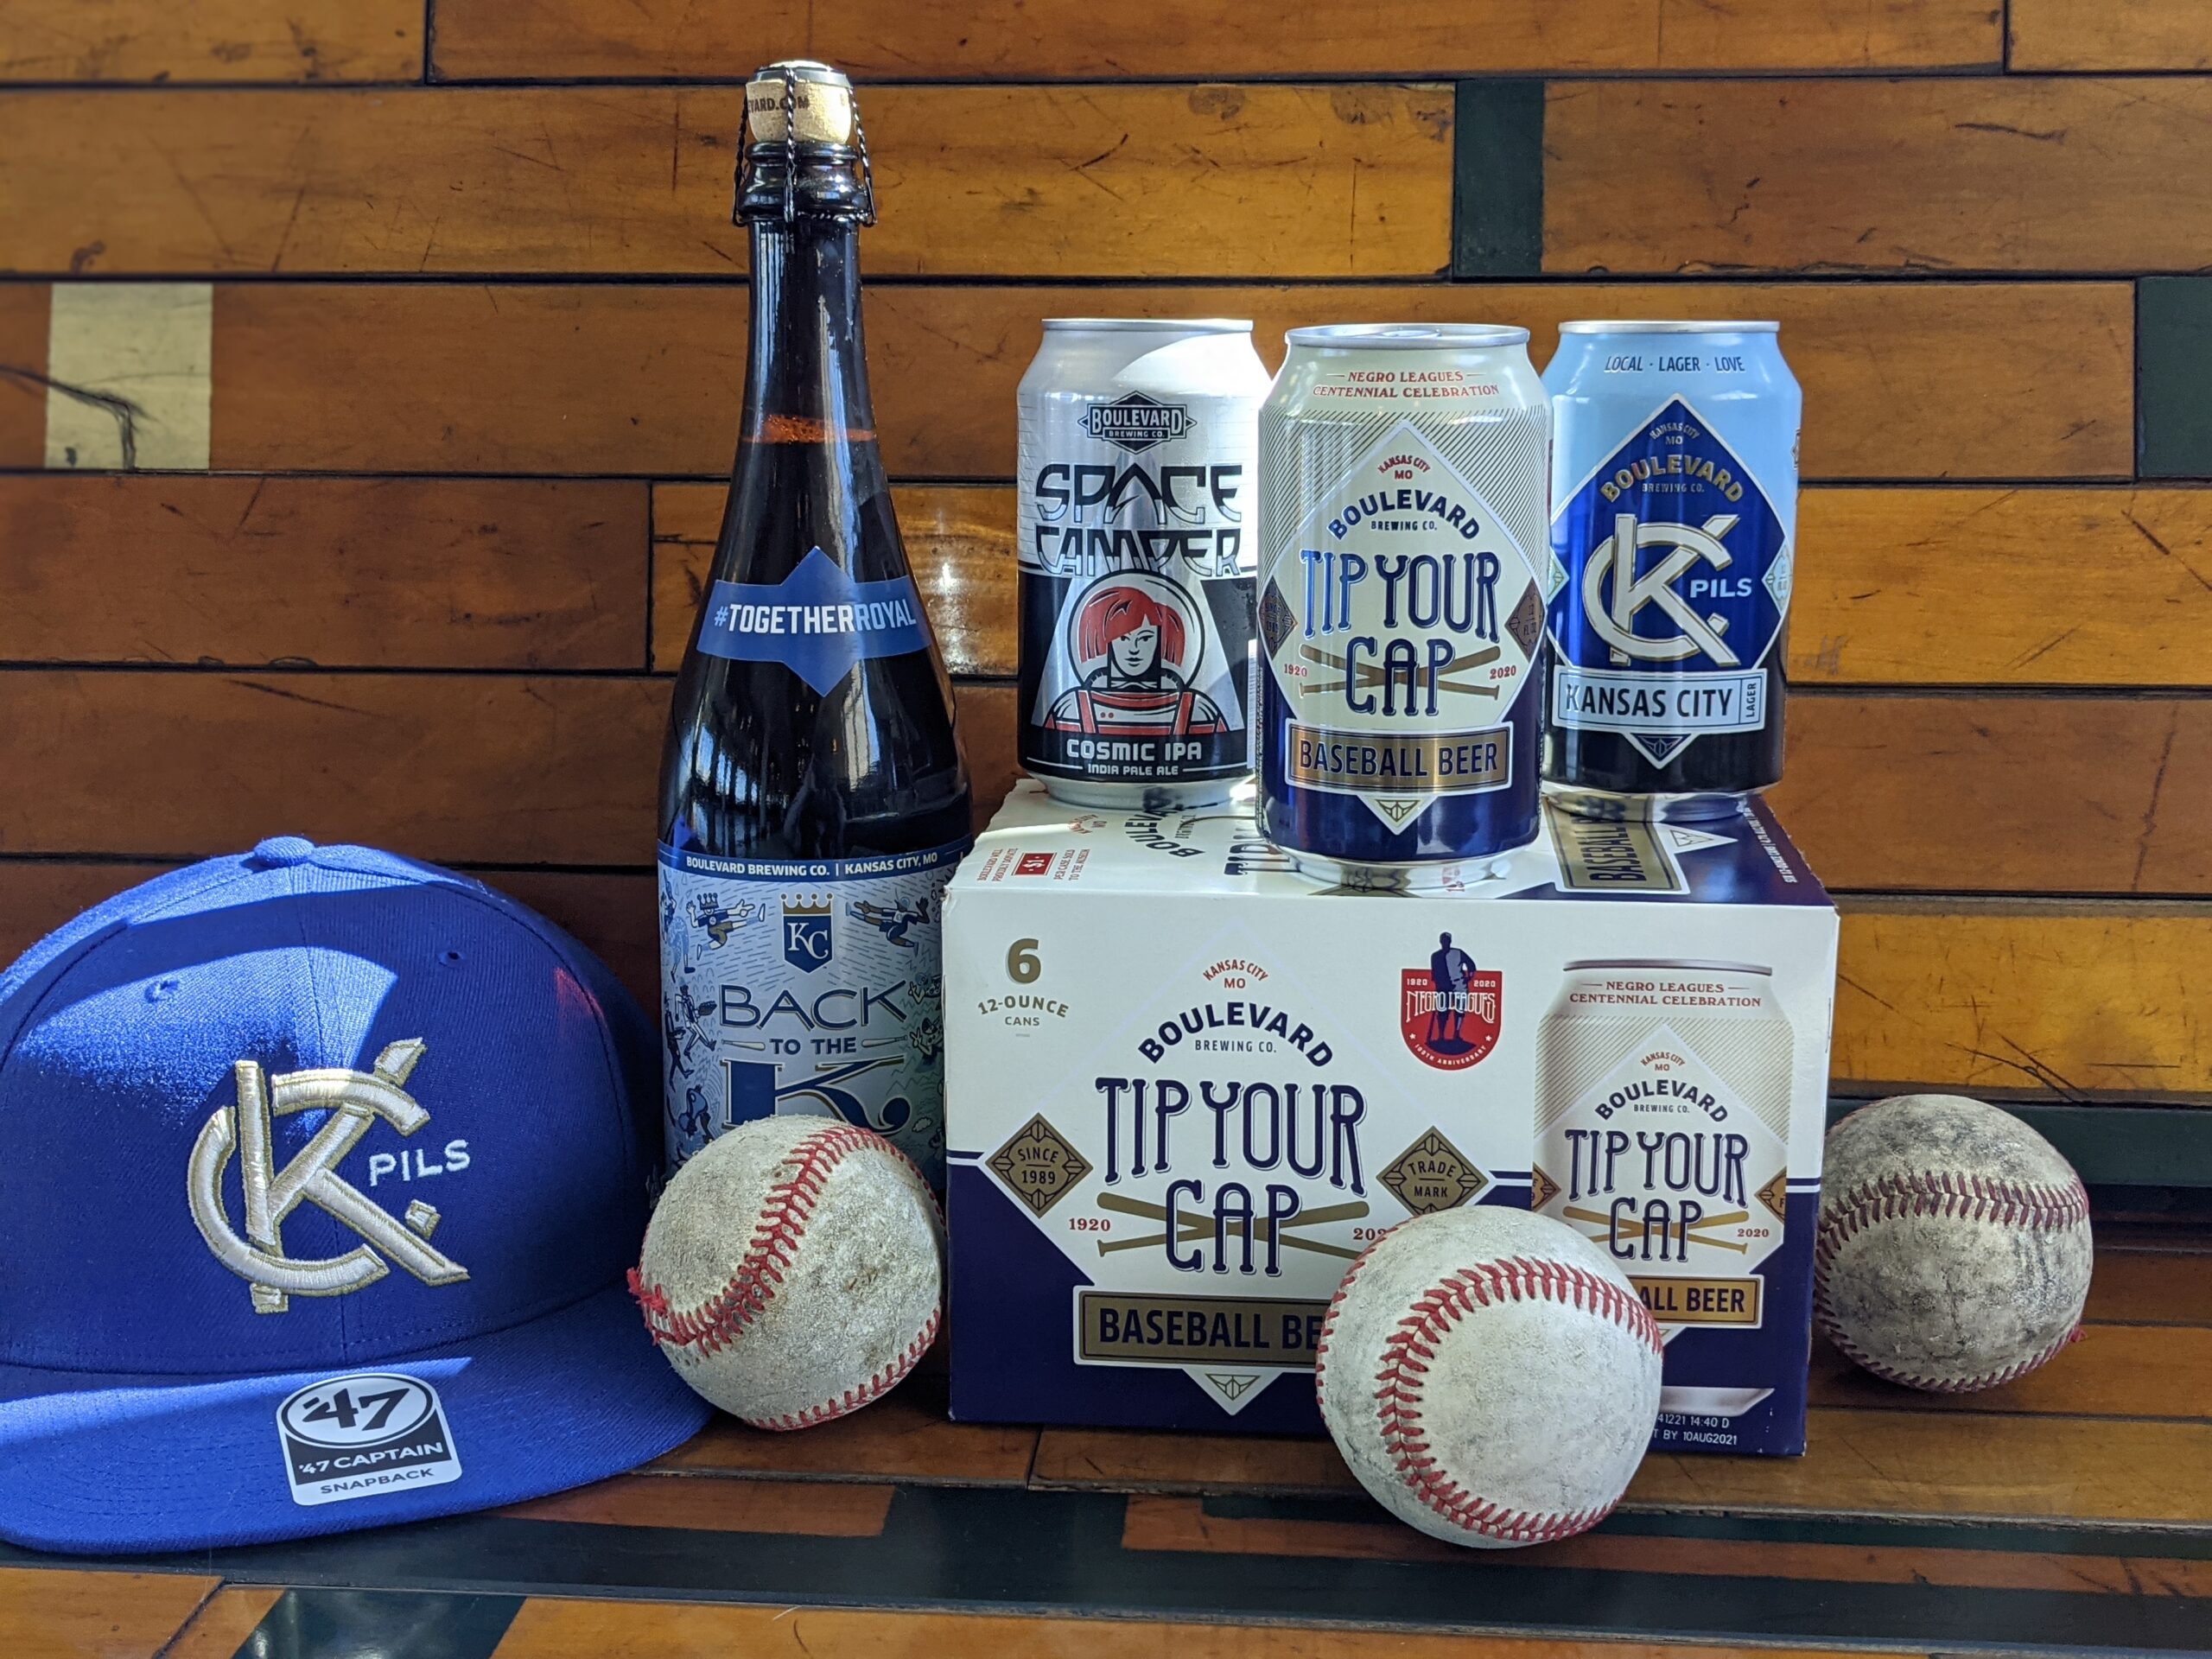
(45, 1614)
(1181, 1523)
(2112, 1370)
(155, 41)
(552, 1628)
(1874, 604)
(2040, 995)
(803, 1509)
(1047, 40)
(959, 540)
(1349, 180)
(2014, 173)
(2151, 1287)
(606, 378)
(2113, 36)
(373, 573)
(906, 1438)
(490, 768)
(22, 363)
(223, 1626)
(1898, 1463)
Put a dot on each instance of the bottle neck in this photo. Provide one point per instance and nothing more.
(806, 376)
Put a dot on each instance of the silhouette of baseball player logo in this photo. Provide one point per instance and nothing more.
(1136, 648)
(1451, 971)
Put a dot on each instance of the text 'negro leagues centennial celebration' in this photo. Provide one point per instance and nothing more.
(1380, 1038)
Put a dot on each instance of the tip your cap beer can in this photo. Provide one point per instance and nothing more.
(1673, 537)
(1401, 611)
(1135, 510)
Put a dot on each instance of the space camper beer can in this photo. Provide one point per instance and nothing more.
(1135, 499)
(1674, 527)
(1401, 614)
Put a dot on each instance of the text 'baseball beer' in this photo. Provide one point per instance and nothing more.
(1136, 500)
(1400, 609)
(813, 796)
(1674, 521)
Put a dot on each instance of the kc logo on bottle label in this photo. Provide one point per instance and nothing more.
(348, 1437)
(818, 622)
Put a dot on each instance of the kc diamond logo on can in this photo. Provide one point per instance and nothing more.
(1449, 1011)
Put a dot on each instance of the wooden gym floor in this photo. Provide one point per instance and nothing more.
(2071, 1510)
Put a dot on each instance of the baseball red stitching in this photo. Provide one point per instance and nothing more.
(1328, 1320)
(882, 1382)
(719, 1320)
(2029, 1205)
(1405, 1356)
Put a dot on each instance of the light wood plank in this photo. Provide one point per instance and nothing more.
(2067, 997)
(372, 573)
(2112, 1370)
(57, 1613)
(23, 323)
(797, 1509)
(1888, 1464)
(1047, 40)
(219, 1629)
(1894, 585)
(155, 41)
(2012, 174)
(1347, 180)
(605, 379)
(551, 1628)
(906, 1438)
(2113, 34)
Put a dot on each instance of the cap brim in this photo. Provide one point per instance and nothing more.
(104, 1464)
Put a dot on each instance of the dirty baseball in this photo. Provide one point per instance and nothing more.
(1490, 1376)
(1954, 1249)
(794, 1270)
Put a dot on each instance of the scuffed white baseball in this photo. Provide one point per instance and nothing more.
(794, 1270)
(1954, 1249)
(1490, 1376)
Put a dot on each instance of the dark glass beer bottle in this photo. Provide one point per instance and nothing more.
(813, 798)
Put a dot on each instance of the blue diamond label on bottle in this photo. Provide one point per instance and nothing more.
(818, 622)
(805, 986)
(1670, 583)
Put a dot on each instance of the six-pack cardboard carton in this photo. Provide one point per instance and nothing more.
(1187, 1087)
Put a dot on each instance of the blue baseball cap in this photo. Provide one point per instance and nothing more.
(320, 1172)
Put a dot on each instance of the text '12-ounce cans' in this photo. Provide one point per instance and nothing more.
(1673, 536)
(1134, 522)
(1400, 610)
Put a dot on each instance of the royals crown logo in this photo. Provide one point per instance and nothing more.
(807, 941)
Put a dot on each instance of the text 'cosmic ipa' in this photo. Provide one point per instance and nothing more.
(1400, 612)
(813, 798)
(1136, 501)
(1673, 526)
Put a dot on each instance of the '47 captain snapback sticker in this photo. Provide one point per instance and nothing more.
(348, 1437)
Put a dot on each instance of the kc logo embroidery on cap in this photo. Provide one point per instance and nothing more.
(354, 1100)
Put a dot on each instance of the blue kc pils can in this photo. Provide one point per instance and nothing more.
(1673, 545)
(1401, 614)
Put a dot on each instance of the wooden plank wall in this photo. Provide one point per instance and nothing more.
(441, 305)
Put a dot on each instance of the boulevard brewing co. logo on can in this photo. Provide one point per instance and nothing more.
(1135, 499)
(1662, 1129)
(1673, 540)
(1400, 611)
